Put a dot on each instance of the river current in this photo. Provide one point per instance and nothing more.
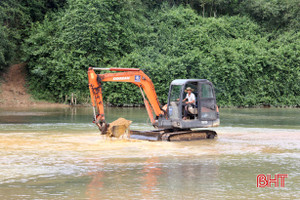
(57, 153)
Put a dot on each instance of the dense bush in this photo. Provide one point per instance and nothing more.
(248, 66)
(273, 14)
(88, 33)
(16, 17)
(6, 48)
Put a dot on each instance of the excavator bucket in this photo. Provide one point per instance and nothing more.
(118, 128)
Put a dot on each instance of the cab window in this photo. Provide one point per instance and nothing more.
(206, 91)
(175, 92)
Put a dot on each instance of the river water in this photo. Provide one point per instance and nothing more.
(57, 153)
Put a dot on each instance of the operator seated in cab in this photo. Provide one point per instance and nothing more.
(190, 101)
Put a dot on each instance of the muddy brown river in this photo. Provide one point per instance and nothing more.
(59, 154)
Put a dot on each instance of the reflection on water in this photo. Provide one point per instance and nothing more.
(59, 154)
(150, 182)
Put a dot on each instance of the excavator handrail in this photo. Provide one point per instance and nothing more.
(116, 69)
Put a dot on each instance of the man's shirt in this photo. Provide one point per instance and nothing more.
(191, 97)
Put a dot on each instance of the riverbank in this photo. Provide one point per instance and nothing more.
(13, 92)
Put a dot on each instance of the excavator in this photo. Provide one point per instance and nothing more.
(168, 120)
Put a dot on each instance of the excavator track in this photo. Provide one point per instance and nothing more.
(189, 135)
(173, 135)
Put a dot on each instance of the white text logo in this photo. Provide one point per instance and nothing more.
(121, 78)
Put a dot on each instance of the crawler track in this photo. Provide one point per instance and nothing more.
(173, 135)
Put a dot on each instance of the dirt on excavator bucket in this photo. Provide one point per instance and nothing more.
(118, 128)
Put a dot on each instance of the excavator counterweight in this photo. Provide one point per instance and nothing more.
(191, 104)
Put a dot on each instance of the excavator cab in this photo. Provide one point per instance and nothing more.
(202, 113)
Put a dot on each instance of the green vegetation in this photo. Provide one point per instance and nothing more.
(5, 48)
(250, 49)
(16, 17)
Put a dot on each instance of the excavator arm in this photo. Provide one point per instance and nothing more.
(130, 75)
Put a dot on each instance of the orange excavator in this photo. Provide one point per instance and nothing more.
(169, 120)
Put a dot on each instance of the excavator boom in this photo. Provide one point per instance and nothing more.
(130, 75)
